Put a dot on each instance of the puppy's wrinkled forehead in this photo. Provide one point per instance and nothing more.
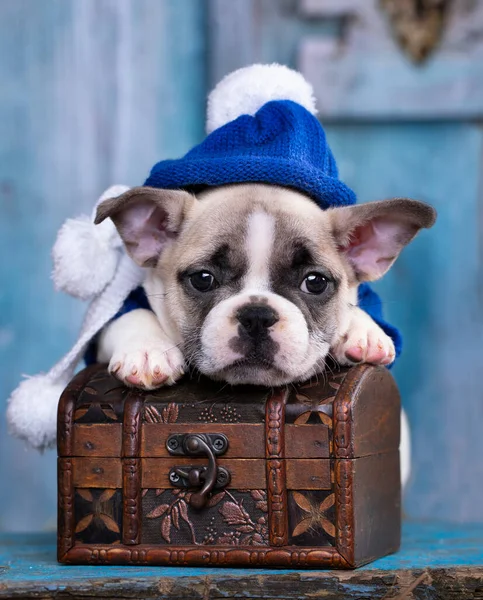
(250, 229)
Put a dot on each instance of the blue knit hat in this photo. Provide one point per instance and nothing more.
(262, 128)
(275, 138)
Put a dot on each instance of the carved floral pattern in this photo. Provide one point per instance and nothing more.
(223, 413)
(321, 408)
(102, 403)
(313, 514)
(215, 412)
(224, 520)
(245, 531)
(98, 515)
(172, 513)
(169, 413)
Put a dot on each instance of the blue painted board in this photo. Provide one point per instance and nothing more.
(27, 562)
(363, 73)
(433, 294)
(93, 92)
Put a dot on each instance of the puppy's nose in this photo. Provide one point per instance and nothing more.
(256, 319)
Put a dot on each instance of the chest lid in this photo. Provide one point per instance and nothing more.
(349, 413)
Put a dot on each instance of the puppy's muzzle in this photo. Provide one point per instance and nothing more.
(256, 320)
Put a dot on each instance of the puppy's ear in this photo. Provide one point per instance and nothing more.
(147, 220)
(372, 235)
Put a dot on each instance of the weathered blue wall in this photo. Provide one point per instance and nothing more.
(92, 92)
(433, 293)
(95, 91)
(401, 129)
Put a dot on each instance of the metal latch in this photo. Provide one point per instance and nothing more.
(209, 477)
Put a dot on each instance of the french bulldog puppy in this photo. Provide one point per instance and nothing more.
(251, 283)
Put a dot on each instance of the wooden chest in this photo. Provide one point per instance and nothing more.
(202, 473)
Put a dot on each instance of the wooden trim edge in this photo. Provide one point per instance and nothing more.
(276, 468)
(65, 409)
(288, 556)
(65, 507)
(344, 506)
(342, 412)
(131, 470)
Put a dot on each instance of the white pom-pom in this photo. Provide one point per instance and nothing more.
(244, 91)
(84, 260)
(32, 411)
(86, 255)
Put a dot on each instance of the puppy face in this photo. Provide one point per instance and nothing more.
(256, 281)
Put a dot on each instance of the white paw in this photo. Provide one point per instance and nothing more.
(364, 342)
(148, 366)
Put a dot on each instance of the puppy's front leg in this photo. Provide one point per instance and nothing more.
(363, 341)
(139, 352)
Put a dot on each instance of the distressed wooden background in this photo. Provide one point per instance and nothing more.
(93, 92)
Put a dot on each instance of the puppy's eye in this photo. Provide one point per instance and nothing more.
(203, 281)
(314, 283)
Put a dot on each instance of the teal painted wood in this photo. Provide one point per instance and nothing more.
(243, 32)
(433, 295)
(347, 51)
(28, 564)
(93, 93)
(362, 73)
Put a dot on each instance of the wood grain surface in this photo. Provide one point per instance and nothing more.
(436, 561)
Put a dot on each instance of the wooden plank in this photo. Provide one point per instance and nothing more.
(245, 441)
(306, 441)
(363, 85)
(376, 501)
(330, 8)
(97, 440)
(232, 36)
(243, 32)
(437, 560)
(310, 474)
(104, 473)
(246, 474)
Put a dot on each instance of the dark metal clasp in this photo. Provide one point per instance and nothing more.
(199, 444)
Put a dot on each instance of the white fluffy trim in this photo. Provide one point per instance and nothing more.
(32, 410)
(86, 255)
(405, 450)
(244, 91)
(32, 407)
